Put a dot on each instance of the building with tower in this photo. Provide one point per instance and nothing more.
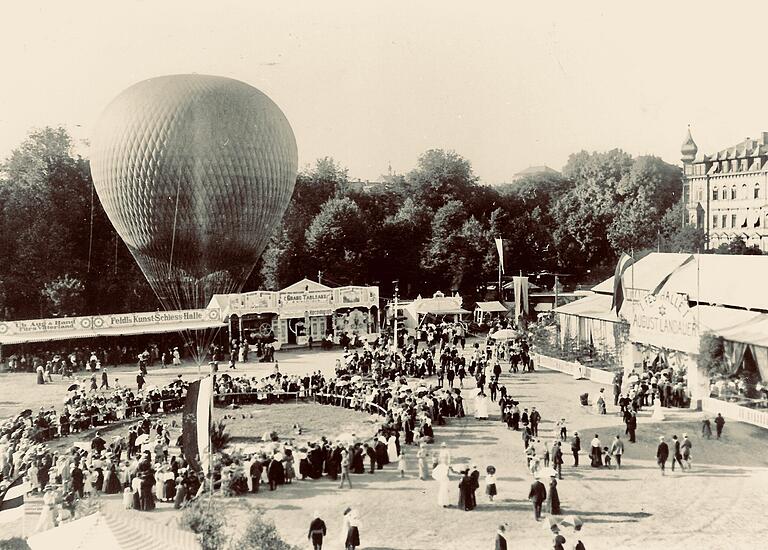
(725, 192)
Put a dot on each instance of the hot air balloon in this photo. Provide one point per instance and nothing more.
(194, 172)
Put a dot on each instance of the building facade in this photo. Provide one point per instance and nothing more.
(725, 192)
(305, 309)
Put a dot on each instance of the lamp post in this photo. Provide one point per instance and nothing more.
(394, 343)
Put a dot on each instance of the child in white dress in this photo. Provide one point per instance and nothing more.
(490, 482)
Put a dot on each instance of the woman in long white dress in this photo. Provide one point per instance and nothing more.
(392, 449)
(48, 514)
(481, 406)
(441, 474)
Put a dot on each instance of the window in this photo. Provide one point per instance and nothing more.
(744, 194)
(733, 220)
(725, 193)
(723, 220)
(724, 166)
(733, 192)
(714, 194)
(698, 194)
(714, 222)
(757, 191)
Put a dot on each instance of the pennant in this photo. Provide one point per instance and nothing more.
(500, 250)
(668, 276)
(521, 295)
(12, 501)
(618, 281)
(196, 424)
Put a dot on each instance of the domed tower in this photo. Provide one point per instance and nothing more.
(689, 149)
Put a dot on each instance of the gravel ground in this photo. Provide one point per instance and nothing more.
(718, 504)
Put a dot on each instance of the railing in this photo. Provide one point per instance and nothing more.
(576, 370)
(159, 408)
(735, 411)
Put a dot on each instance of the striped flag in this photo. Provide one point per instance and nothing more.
(196, 424)
(618, 281)
(12, 501)
(500, 250)
(668, 276)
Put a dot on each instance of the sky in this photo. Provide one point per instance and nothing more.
(373, 84)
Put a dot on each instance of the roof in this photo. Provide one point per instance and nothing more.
(715, 279)
(753, 331)
(492, 307)
(100, 531)
(305, 284)
(597, 306)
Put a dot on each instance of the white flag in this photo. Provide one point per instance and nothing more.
(500, 249)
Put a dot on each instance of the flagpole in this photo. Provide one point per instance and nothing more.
(210, 439)
(501, 292)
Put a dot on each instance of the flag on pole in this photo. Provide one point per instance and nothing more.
(668, 276)
(12, 501)
(521, 295)
(500, 249)
(618, 281)
(196, 424)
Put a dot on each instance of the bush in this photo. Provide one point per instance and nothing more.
(16, 543)
(261, 534)
(207, 521)
(219, 436)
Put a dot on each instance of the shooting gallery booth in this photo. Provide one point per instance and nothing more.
(303, 310)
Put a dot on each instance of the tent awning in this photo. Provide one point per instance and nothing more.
(100, 531)
(456, 311)
(492, 307)
(597, 306)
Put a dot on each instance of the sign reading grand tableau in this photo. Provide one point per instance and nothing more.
(665, 320)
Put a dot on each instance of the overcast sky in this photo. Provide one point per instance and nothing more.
(505, 84)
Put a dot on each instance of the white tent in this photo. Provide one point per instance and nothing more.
(101, 531)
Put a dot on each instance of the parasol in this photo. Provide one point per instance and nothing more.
(551, 524)
(25, 413)
(356, 378)
(549, 472)
(142, 439)
(73, 387)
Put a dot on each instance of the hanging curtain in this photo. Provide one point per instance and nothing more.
(734, 355)
(760, 354)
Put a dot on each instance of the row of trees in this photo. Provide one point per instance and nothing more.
(432, 228)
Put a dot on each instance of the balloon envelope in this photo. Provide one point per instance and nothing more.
(194, 172)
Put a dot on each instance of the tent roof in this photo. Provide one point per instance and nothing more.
(492, 307)
(305, 284)
(99, 531)
(753, 330)
(717, 279)
(597, 306)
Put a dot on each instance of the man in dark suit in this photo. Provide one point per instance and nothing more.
(662, 454)
(274, 473)
(78, 484)
(535, 419)
(575, 448)
(537, 495)
(317, 531)
(98, 444)
(255, 473)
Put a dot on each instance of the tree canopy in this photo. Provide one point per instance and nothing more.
(432, 228)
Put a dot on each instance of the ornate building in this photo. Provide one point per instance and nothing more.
(725, 192)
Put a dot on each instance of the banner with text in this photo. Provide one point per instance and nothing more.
(666, 321)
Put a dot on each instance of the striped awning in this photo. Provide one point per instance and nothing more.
(101, 531)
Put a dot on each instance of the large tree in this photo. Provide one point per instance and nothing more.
(441, 176)
(286, 259)
(336, 241)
